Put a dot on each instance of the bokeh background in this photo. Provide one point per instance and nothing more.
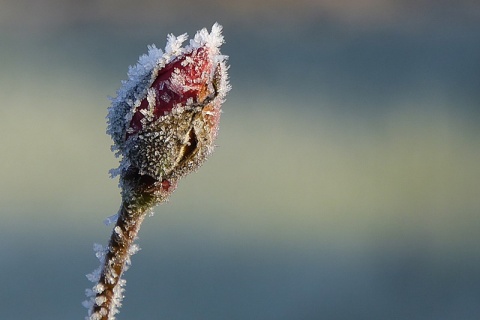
(345, 185)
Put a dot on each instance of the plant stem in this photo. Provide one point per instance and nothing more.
(140, 193)
(119, 252)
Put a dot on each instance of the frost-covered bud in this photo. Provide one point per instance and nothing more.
(165, 118)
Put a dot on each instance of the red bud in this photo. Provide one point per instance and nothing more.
(165, 118)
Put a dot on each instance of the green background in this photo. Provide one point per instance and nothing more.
(345, 185)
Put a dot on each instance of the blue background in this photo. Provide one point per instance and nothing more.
(345, 185)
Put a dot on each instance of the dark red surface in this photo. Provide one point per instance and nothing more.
(196, 76)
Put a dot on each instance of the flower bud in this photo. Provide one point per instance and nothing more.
(165, 118)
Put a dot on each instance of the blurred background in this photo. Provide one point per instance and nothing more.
(345, 185)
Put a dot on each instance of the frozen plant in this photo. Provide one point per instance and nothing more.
(163, 123)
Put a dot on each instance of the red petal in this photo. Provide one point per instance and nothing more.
(184, 78)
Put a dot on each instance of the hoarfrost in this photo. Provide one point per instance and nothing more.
(174, 45)
(100, 300)
(134, 248)
(165, 97)
(88, 304)
(99, 288)
(95, 275)
(111, 220)
(89, 292)
(119, 232)
(99, 251)
(120, 114)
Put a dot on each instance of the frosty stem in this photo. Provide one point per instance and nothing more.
(138, 200)
(121, 240)
(163, 122)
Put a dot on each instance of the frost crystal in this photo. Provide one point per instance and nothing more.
(111, 220)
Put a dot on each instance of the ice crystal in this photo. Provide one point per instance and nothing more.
(95, 275)
(111, 219)
(99, 251)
